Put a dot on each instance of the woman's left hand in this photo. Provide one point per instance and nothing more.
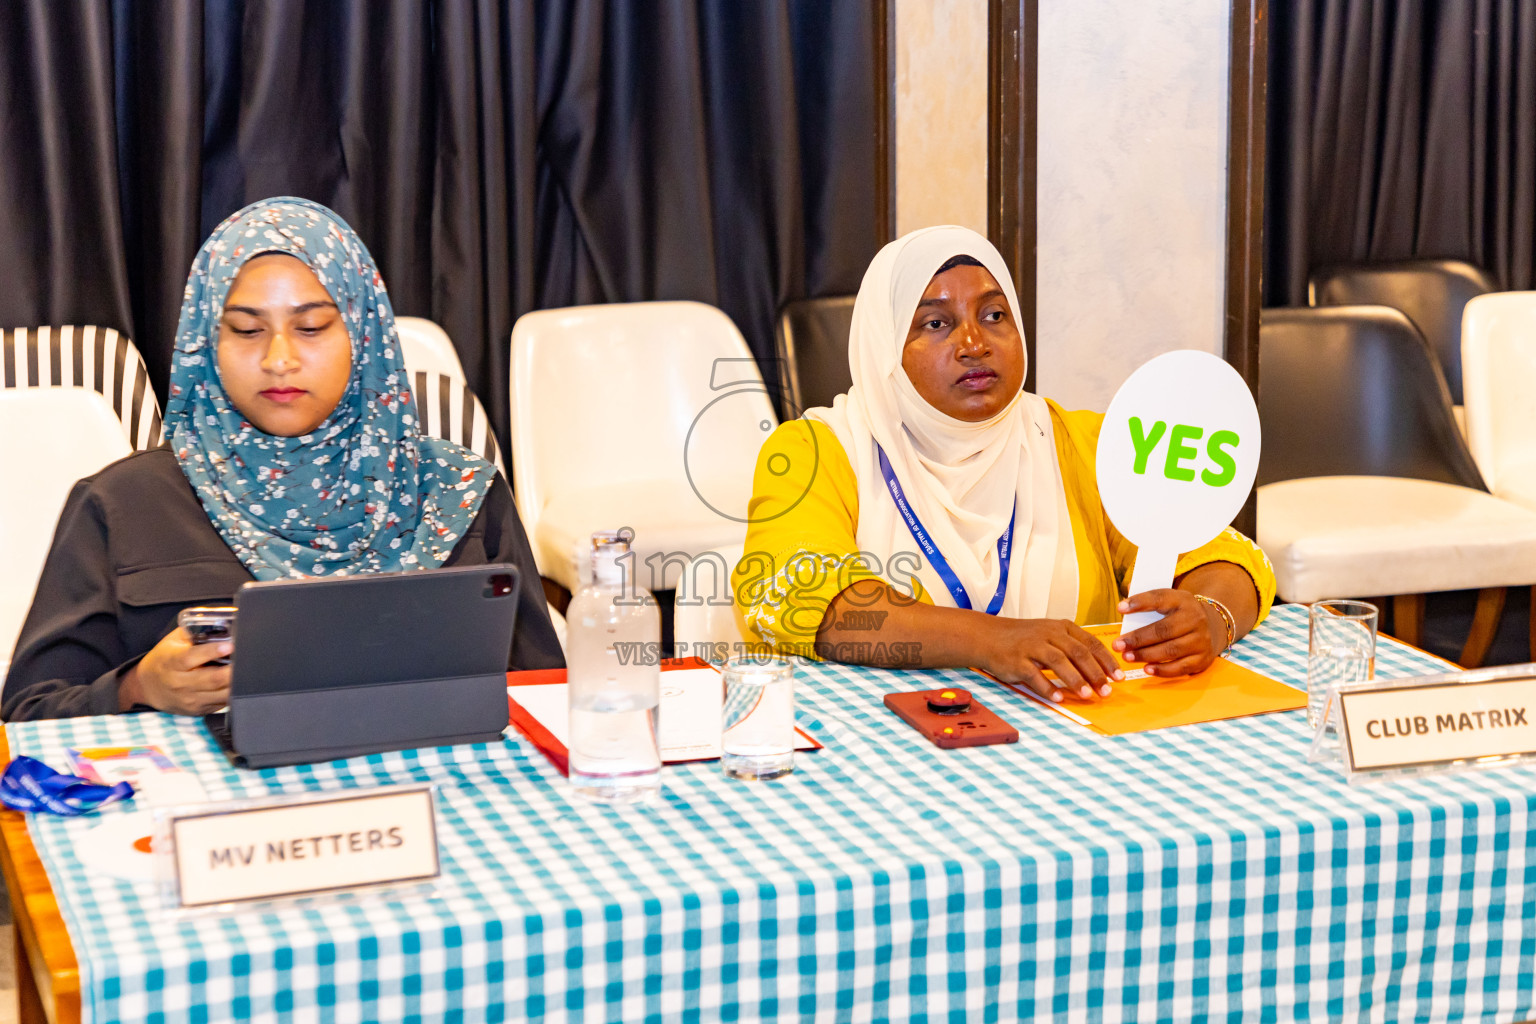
(1184, 641)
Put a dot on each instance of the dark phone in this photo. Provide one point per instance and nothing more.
(951, 718)
(208, 624)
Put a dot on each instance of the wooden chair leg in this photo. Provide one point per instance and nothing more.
(1384, 623)
(1408, 617)
(1485, 626)
(1532, 640)
(558, 597)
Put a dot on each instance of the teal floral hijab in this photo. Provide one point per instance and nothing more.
(364, 492)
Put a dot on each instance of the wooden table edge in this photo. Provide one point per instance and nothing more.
(47, 973)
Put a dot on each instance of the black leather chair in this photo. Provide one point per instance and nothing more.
(812, 343)
(1431, 293)
(1352, 392)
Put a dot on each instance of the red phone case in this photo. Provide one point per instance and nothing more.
(974, 727)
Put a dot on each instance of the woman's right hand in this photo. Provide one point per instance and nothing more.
(175, 676)
(1022, 649)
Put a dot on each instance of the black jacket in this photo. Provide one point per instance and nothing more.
(134, 547)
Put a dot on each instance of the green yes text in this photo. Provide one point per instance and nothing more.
(1181, 450)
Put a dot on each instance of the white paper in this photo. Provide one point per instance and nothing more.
(168, 789)
(688, 719)
(118, 847)
(688, 726)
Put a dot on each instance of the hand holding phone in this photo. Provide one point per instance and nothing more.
(180, 674)
(206, 624)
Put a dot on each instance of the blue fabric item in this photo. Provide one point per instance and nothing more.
(935, 556)
(30, 785)
(365, 491)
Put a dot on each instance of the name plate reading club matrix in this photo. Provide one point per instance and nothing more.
(1439, 721)
(296, 846)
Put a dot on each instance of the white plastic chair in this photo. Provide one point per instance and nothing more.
(1498, 359)
(1498, 356)
(644, 415)
(54, 436)
(426, 346)
(80, 356)
(703, 608)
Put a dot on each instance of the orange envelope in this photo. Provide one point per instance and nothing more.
(1225, 690)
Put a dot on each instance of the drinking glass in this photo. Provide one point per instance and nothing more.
(1341, 648)
(758, 726)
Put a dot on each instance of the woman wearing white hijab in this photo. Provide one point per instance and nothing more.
(938, 515)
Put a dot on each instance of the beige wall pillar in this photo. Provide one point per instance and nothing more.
(1132, 189)
(941, 113)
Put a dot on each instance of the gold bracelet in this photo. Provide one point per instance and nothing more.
(1226, 618)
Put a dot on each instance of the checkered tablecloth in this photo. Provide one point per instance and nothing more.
(1201, 873)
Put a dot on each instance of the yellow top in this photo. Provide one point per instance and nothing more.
(802, 547)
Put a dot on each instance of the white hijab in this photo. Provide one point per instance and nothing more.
(963, 480)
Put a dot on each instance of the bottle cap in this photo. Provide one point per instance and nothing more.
(608, 546)
(614, 542)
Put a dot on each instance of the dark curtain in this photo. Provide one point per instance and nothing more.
(62, 247)
(1398, 129)
(496, 156)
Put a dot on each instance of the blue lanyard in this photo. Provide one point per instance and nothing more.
(30, 785)
(931, 550)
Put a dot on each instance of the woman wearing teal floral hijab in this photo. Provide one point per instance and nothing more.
(361, 491)
(293, 451)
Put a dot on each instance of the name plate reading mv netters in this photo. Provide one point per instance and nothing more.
(1439, 722)
(313, 843)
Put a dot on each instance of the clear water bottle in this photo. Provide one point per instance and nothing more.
(613, 649)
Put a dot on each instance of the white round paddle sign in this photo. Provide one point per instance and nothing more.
(1177, 456)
